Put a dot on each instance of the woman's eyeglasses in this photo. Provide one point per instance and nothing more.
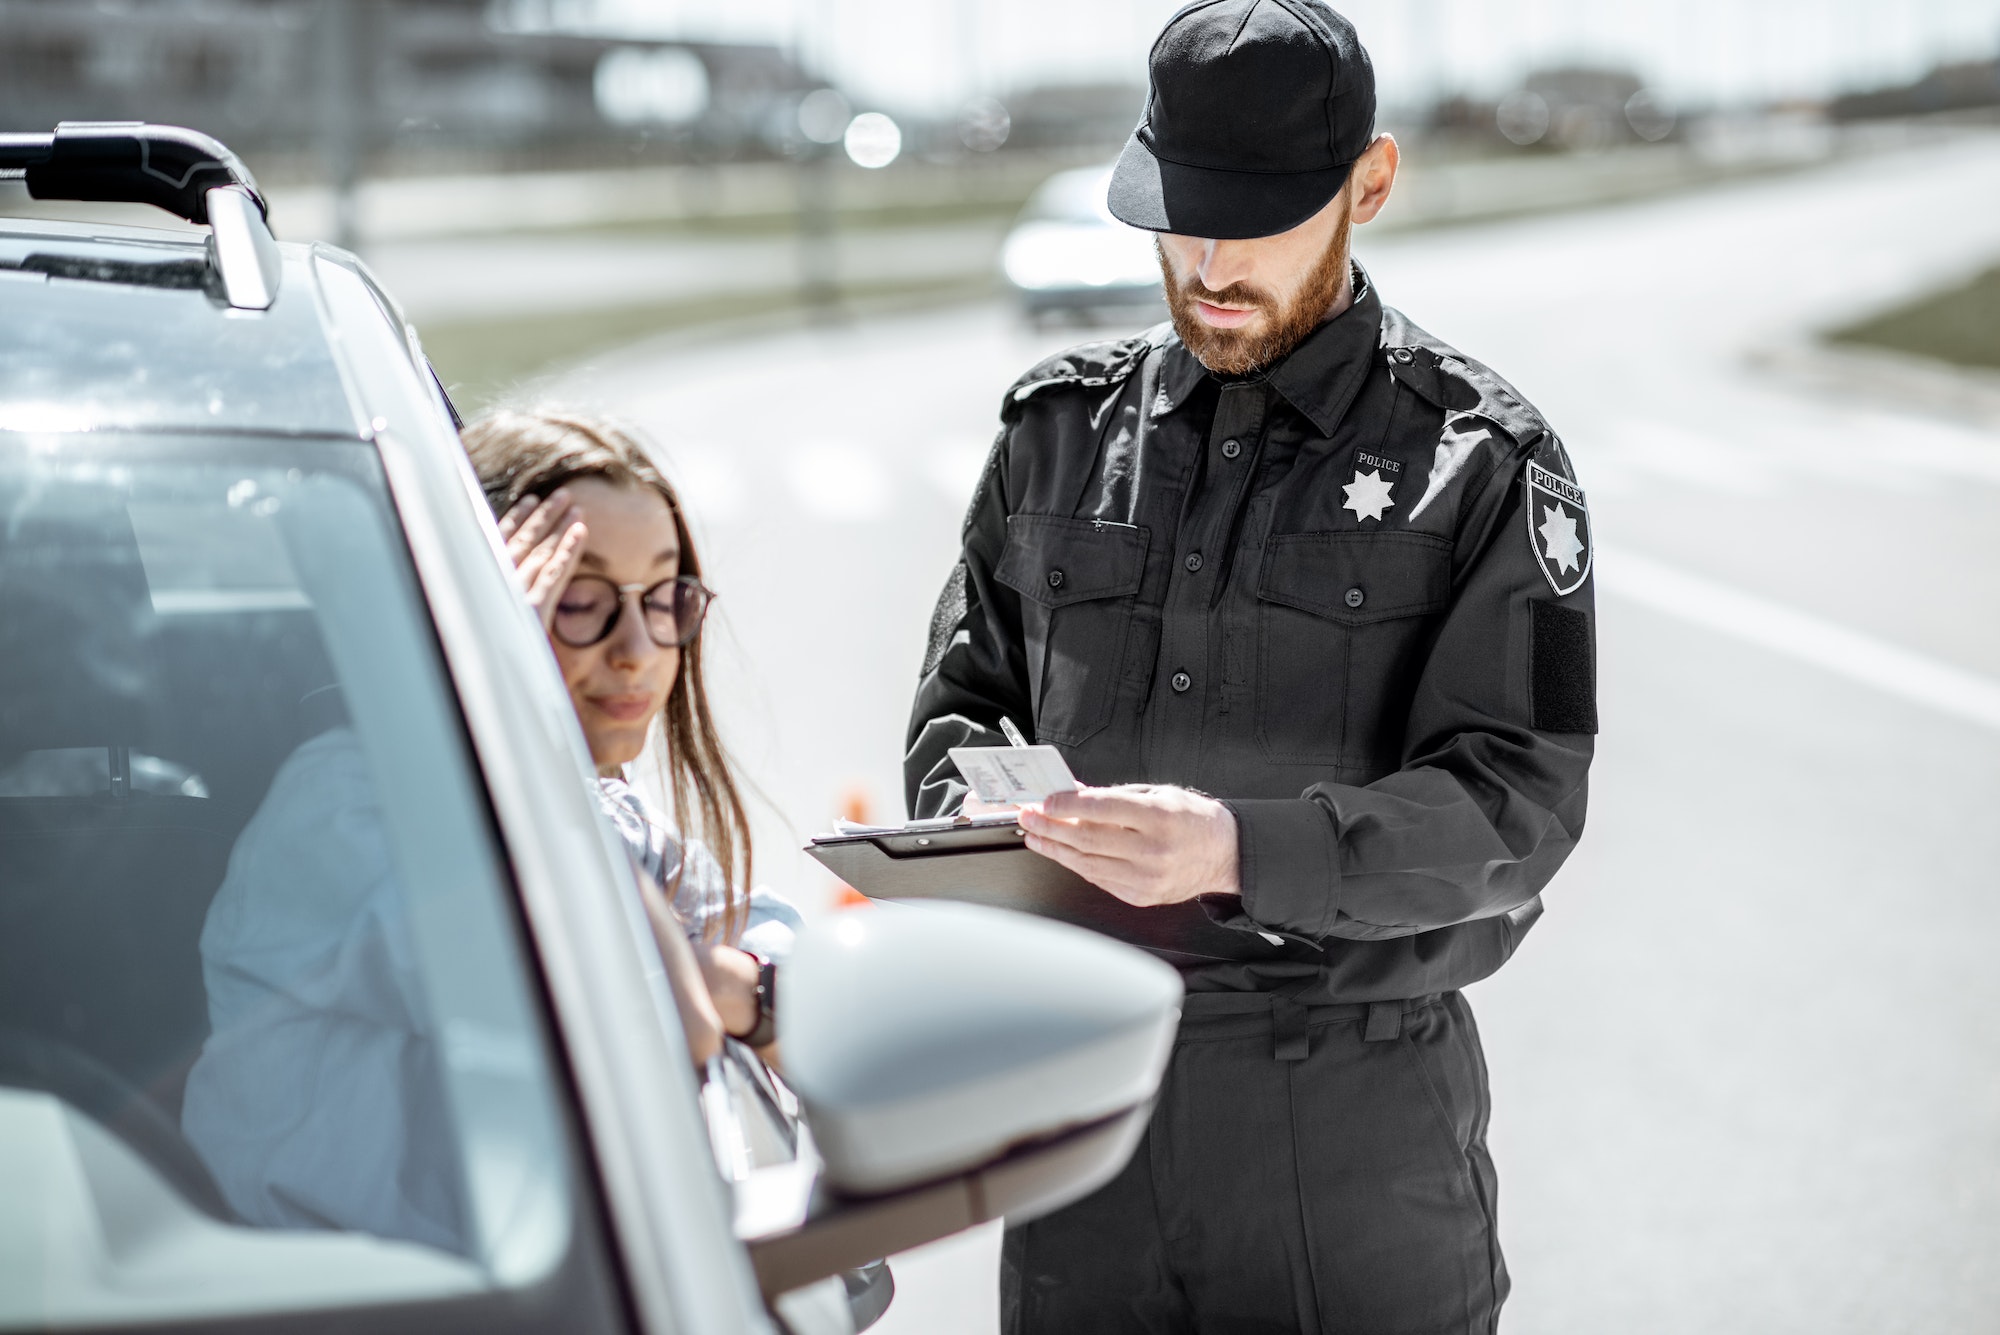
(589, 609)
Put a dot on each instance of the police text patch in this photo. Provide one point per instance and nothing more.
(1558, 528)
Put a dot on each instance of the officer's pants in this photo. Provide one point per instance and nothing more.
(1316, 1169)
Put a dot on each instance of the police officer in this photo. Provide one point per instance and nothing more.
(1292, 551)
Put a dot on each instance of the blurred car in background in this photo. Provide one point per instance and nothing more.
(1067, 256)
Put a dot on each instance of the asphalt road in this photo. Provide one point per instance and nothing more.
(1747, 1069)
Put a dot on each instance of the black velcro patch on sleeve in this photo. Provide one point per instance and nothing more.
(1562, 669)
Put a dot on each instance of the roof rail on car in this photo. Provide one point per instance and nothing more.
(182, 171)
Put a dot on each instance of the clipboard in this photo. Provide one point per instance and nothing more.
(986, 863)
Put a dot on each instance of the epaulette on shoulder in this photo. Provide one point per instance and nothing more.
(1441, 374)
(1085, 366)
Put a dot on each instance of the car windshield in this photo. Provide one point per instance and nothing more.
(267, 1039)
(104, 331)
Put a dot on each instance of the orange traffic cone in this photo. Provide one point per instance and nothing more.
(856, 805)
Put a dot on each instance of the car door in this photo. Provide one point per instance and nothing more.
(275, 1048)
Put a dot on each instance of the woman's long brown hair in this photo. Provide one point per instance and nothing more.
(530, 453)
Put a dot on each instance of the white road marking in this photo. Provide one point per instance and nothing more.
(1824, 644)
(1692, 457)
(1940, 448)
(713, 486)
(839, 481)
(1877, 452)
(954, 466)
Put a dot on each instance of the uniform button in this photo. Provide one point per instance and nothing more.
(1231, 448)
(1182, 681)
(1055, 579)
(1193, 562)
(1405, 356)
(1355, 597)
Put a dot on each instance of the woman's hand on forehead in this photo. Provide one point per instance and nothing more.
(545, 539)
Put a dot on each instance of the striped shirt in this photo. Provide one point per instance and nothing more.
(702, 897)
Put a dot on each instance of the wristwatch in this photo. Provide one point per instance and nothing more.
(765, 1031)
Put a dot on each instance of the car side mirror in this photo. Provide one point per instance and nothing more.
(957, 1064)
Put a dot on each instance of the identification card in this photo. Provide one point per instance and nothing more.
(1013, 775)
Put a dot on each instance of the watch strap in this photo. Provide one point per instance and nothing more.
(765, 1031)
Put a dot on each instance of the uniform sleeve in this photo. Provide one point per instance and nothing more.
(974, 672)
(1490, 796)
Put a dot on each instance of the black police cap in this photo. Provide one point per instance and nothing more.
(1257, 111)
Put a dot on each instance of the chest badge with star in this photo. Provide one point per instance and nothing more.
(1368, 494)
(1558, 529)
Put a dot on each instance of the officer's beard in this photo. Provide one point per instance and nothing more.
(1262, 342)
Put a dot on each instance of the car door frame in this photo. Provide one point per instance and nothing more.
(672, 1217)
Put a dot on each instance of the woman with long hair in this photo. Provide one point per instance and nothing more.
(605, 553)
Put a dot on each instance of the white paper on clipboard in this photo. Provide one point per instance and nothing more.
(1013, 775)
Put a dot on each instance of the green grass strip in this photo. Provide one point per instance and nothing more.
(1960, 325)
(484, 361)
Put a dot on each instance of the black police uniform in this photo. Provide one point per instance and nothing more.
(1349, 596)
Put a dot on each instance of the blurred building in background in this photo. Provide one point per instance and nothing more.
(410, 86)
(1076, 115)
(417, 82)
(677, 161)
(1574, 108)
(1955, 87)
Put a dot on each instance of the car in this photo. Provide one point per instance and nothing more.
(1067, 256)
(326, 994)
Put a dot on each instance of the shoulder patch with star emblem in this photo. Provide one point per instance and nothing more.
(1558, 528)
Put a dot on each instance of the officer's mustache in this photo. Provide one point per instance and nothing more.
(1236, 294)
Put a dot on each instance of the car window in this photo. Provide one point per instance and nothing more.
(267, 1038)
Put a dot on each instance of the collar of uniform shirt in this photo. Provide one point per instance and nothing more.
(1320, 377)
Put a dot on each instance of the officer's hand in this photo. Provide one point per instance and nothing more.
(1147, 845)
(544, 538)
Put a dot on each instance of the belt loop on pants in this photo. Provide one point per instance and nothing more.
(1385, 1021)
(1290, 1040)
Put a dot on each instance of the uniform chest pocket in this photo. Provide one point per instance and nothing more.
(1342, 619)
(1077, 579)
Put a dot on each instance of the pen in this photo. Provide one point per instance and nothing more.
(1014, 737)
